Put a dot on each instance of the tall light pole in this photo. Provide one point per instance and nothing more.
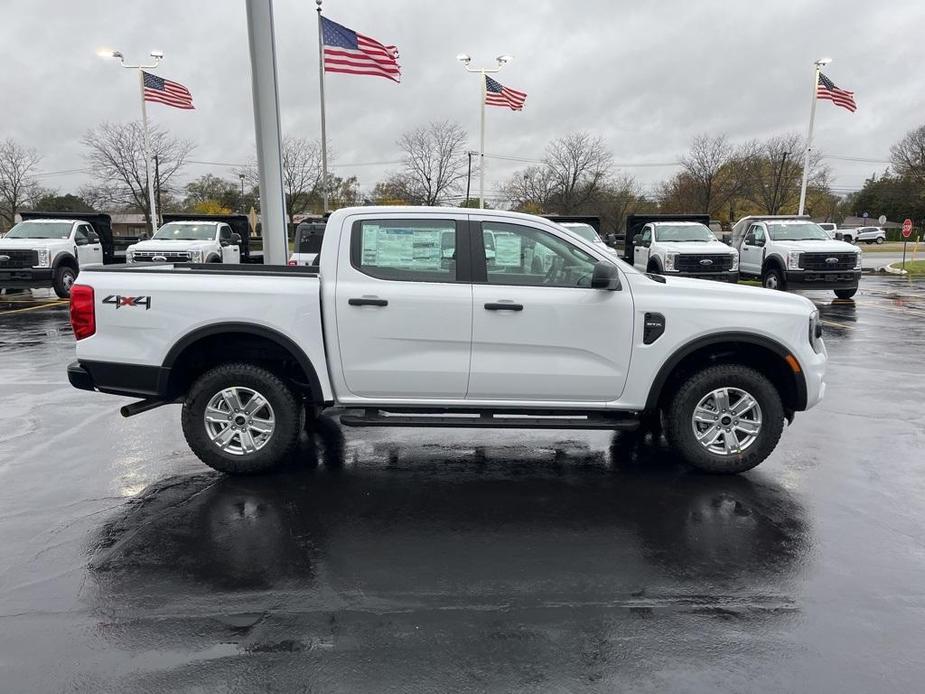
(501, 60)
(157, 56)
(809, 135)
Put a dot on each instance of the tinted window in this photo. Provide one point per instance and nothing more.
(225, 233)
(527, 256)
(411, 250)
(308, 238)
(81, 234)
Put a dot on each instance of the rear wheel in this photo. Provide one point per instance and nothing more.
(773, 278)
(242, 419)
(725, 419)
(64, 279)
(846, 293)
(880, 240)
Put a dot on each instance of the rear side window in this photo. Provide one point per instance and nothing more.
(412, 250)
(309, 238)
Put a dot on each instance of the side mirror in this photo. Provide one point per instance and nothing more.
(637, 240)
(605, 276)
(236, 239)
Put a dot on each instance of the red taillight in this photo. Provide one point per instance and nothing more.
(83, 313)
(292, 263)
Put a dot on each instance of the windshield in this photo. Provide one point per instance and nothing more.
(175, 231)
(672, 233)
(796, 231)
(585, 231)
(40, 230)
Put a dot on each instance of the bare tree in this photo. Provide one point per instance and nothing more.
(710, 178)
(17, 179)
(435, 160)
(580, 165)
(772, 171)
(115, 154)
(302, 180)
(532, 190)
(908, 155)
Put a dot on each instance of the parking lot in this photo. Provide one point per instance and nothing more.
(458, 560)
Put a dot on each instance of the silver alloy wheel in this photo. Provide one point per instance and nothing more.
(726, 421)
(770, 282)
(239, 420)
(68, 279)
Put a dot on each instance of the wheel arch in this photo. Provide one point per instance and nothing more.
(64, 258)
(233, 340)
(774, 261)
(758, 351)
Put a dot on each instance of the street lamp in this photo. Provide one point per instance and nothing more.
(500, 62)
(157, 56)
(809, 135)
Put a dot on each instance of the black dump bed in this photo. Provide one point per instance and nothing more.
(238, 222)
(635, 223)
(101, 223)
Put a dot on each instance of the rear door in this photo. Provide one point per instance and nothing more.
(403, 303)
(539, 332)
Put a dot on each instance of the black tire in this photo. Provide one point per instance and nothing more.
(679, 415)
(773, 278)
(880, 240)
(64, 279)
(287, 409)
(846, 293)
(870, 242)
(214, 259)
(654, 268)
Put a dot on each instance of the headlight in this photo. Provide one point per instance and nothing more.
(196, 256)
(815, 332)
(129, 257)
(857, 260)
(793, 260)
(735, 262)
(670, 259)
(43, 256)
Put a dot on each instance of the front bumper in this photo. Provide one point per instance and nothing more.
(845, 279)
(728, 276)
(25, 278)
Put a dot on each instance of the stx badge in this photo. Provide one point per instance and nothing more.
(120, 301)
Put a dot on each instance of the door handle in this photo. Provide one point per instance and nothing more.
(364, 301)
(502, 306)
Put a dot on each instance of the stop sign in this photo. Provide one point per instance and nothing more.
(907, 228)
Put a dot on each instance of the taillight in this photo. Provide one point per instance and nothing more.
(292, 263)
(83, 313)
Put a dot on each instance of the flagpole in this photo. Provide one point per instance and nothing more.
(324, 137)
(482, 146)
(809, 135)
(147, 148)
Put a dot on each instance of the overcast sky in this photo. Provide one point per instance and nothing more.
(645, 76)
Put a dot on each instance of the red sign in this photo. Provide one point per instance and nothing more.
(907, 228)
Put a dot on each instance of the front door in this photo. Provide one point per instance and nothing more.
(231, 252)
(539, 332)
(751, 253)
(404, 307)
(641, 250)
(89, 248)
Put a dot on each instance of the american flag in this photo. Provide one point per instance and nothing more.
(347, 51)
(166, 92)
(826, 89)
(496, 94)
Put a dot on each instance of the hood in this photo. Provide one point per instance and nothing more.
(721, 291)
(696, 247)
(30, 244)
(169, 244)
(817, 246)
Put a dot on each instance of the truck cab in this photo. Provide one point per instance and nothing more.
(188, 241)
(50, 250)
(795, 253)
(684, 248)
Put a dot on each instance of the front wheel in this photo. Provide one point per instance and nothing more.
(773, 278)
(880, 240)
(242, 419)
(846, 293)
(725, 419)
(64, 280)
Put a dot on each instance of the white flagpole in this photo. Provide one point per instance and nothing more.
(324, 137)
(147, 147)
(809, 134)
(482, 93)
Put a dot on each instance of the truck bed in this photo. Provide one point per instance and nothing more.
(213, 269)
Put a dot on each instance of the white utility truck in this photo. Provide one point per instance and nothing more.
(395, 329)
(188, 241)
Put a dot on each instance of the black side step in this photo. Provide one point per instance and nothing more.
(491, 420)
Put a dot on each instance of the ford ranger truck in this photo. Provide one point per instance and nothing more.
(188, 242)
(394, 329)
(688, 249)
(50, 251)
(795, 253)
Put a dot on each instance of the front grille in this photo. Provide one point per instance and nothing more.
(18, 258)
(718, 262)
(819, 262)
(168, 256)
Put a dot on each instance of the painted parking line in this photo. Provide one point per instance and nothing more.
(32, 308)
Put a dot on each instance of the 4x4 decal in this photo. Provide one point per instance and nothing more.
(120, 301)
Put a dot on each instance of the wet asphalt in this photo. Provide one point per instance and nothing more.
(455, 560)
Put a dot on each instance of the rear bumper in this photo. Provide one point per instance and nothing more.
(823, 280)
(729, 276)
(134, 380)
(25, 278)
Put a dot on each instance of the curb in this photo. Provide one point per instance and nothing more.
(889, 269)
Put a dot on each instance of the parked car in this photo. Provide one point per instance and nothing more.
(50, 249)
(307, 243)
(830, 228)
(870, 235)
(795, 253)
(395, 331)
(688, 249)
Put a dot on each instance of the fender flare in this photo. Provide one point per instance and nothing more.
(64, 258)
(654, 260)
(658, 383)
(247, 329)
(771, 261)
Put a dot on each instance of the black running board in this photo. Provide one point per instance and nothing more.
(490, 420)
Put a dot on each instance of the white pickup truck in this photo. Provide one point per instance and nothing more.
(395, 329)
(190, 241)
(795, 253)
(688, 249)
